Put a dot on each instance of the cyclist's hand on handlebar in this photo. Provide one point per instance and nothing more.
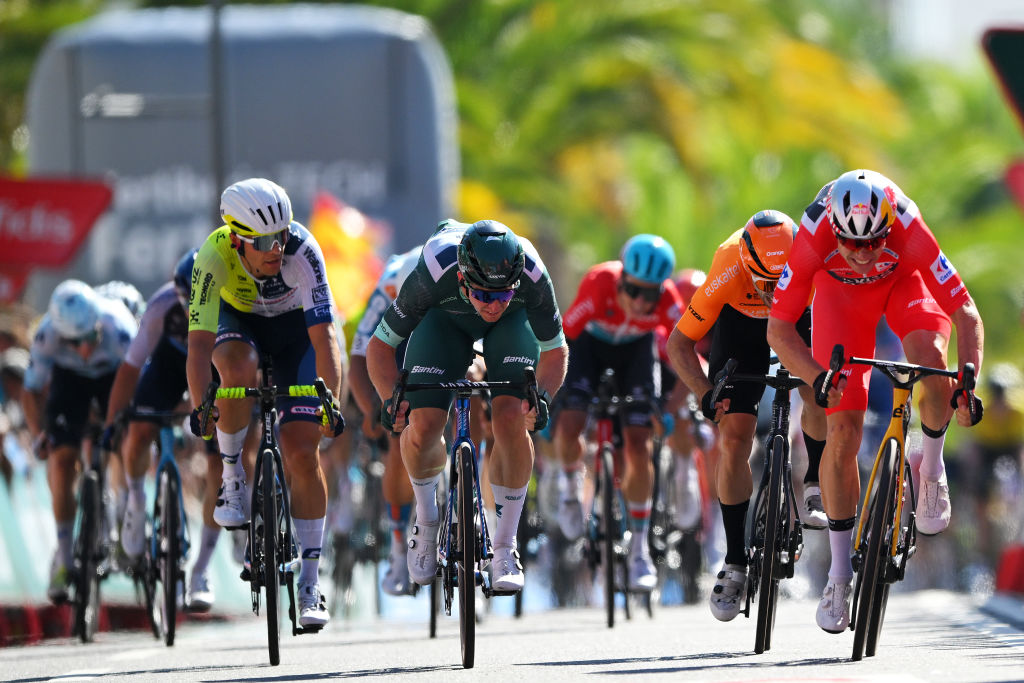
(372, 428)
(41, 446)
(335, 425)
(967, 415)
(398, 421)
(195, 418)
(537, 418)
(835, 392)
(107, 438)
(713, 412)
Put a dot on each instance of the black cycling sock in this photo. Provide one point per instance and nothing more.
(814, 451)
(734, 519)
(934, 433)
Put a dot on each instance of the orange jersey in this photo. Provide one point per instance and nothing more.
(727, 284)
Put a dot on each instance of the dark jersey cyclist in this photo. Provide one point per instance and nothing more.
(472, 282)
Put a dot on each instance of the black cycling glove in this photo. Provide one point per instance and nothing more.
(386, 420)
(978, 409)
(707, 407)
(193, 423)
(543, 410)
(820, 397)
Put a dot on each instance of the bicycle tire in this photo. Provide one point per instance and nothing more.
(881, 596)
(87, 585)
(147, 580)
(608, 540)
(466, 556)
(772, 511)
(435, 605)
(869, 580)
(271, 530)
(170, 555)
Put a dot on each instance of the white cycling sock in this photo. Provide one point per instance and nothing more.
(508, 507)
(230, 449)
(207, 544)
(425, 491)
(840, 542)
(309, 534)
(137, 491)
(932, 468)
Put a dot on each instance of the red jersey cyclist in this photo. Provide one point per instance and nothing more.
(733, 304)
(867, 252)
(611, 324)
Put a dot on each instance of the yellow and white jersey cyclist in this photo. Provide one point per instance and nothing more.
(259, 286)
(478, 281)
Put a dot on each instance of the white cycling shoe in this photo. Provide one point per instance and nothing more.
(312, 606)
(933, 509)
(833, 613)
(812, 514)
(133, 531)
(506, 571)
(422, 558)
(232, 509)
(730, 590)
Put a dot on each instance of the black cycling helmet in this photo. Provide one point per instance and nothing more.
(183, 275)
(491, 256)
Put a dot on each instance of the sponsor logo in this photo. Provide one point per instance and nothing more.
(860, 209)
(922, 300)
(322, 311)
(446, 300)
(694, 313)
(314, 263)
(311, 553)
(427, 370)
(787, 274)
(204, 294)
(193, 317)
(518, 359)
(776, 253)
(722, 279)
(956, 290)
(942, 269)
(303, 410)
(396, 309)
(321, 294)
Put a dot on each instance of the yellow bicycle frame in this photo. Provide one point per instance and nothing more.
(896, 430)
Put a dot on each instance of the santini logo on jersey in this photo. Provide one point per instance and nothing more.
(518, 359)
(427, 369)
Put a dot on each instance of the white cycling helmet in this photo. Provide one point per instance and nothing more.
(861, 205)
(256, 206)
(126, 294)
(74, 309)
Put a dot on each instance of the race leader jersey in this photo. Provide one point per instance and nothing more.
(219, 274)
(117, 327)
(909, 246)
(396, 270)
(164, 318)
(727, 284)
(596, 309)
(434, 284)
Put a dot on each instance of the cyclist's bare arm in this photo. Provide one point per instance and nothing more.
(365, 395)
(197, 365)
(970, 343)
(380, 363)
(551, 368)
(682, 354)
(328, 357)
(792, 351)
(122, 391)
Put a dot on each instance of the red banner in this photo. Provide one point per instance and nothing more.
(1015, 181)
(44, 222)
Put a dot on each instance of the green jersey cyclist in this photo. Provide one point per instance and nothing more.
(477, 281)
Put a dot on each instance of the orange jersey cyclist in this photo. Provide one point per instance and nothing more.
(867, 252)
(611, 324)
(259, 286)
(478, 281)
(733, 304)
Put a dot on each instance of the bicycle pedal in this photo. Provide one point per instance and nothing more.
(245, 575)
(304, 630)
(240, 527)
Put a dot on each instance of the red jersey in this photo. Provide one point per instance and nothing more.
(909, 246)
(596, 308)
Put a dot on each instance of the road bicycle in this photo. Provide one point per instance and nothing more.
(886, 531)
(92, 547)
(273, 555)
(774, 535)
(161, 569)
(607, 537)
(464, 543)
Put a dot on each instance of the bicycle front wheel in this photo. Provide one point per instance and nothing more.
(607, 531)
(169, 545)
(466, 555)
(86, 558)
(770, 516)
(871, 592)
(271, 581)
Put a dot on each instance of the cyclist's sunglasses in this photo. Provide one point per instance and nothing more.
(267, 242)
(764, 284)
(645, 292)
(869, 244)
(486, 296)
(89, 338)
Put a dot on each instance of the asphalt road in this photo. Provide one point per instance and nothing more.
(929, 636)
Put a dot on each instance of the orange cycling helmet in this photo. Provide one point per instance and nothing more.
(764, 247)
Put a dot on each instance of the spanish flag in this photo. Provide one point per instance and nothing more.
(349, 240)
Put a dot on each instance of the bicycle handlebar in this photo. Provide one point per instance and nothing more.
(728, 374)
(462, 386)
(317, 389)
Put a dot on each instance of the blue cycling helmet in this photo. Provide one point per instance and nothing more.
(648, 258)
(183, 276)
(74, 309)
